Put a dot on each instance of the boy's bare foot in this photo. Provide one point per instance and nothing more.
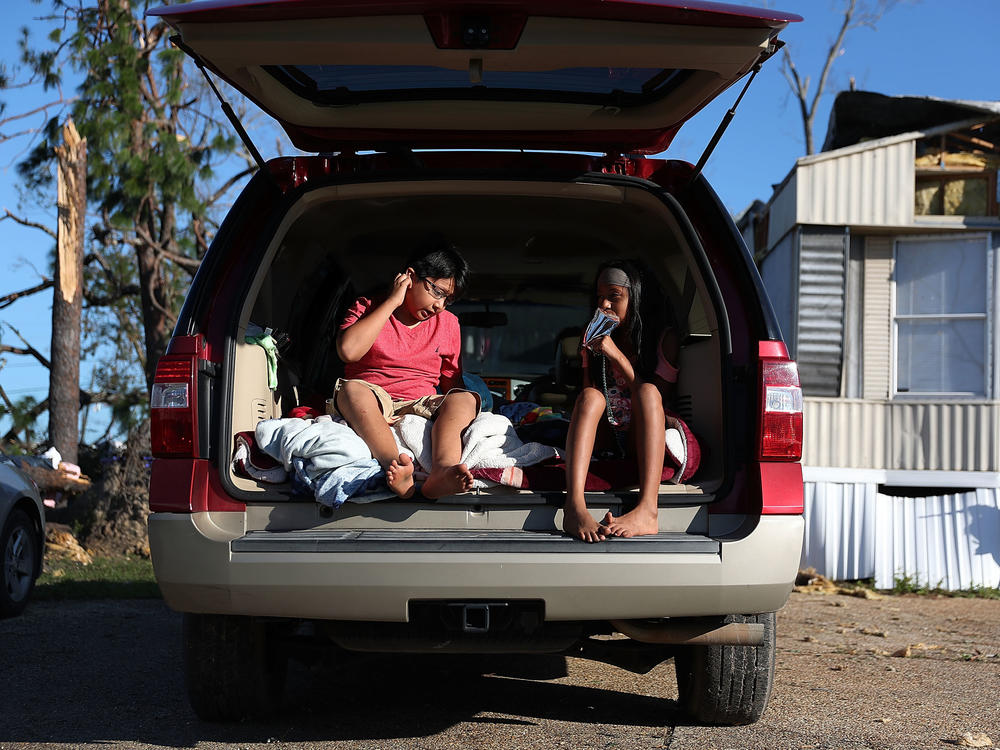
(447, 481)
(637, 522)
(399, 476)
(579, 524)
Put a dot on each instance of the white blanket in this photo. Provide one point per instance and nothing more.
(489, 443)
(330, 458)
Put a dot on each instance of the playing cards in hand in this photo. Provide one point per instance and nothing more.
(602, 324)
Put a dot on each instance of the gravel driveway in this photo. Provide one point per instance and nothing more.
(106, 674)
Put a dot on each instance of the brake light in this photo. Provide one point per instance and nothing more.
(173, 407)
(780, 437)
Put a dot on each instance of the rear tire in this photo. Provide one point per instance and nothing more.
(233, 667)
(20, 558)
(727, 685)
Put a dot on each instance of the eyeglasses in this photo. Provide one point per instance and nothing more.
(437, 292)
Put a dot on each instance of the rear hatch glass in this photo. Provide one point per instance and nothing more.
(609, 75)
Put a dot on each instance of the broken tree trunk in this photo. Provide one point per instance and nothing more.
(67, 299)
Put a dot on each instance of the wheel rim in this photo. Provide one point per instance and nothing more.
(18, 564)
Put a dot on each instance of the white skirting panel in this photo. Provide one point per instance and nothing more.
(840, 530)
(951, 541)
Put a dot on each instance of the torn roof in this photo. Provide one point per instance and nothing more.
(863, 115)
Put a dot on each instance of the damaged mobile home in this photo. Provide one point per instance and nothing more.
(880, 257)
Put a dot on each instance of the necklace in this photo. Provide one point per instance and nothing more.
(619, 435)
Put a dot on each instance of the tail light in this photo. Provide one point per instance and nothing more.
(173, 406)
(180, 480)
(781, 411)
(774, 483)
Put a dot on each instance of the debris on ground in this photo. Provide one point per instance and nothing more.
(907, 651)
(874, 631)
(54, 477)
(808, 581)
(109, 518)
(60, 542)
(974, 739)
(113, 512)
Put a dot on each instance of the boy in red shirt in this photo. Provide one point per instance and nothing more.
(396, 351)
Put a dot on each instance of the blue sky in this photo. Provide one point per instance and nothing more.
(928, 48)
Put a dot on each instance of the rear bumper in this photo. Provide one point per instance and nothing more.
(200, 569)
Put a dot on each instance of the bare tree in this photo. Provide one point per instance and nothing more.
(856, 14)
(67, 301)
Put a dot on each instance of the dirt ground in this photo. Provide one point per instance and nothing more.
(899, 672)
(107, 674)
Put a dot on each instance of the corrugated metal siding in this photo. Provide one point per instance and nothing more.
(952, 541)
(778, 271)
(849, 433)
(902, 435)
(840, 530)
(877, 312)
(873, 187)
(955, 436)
(781, 215)
(820, 336)
(852, 532)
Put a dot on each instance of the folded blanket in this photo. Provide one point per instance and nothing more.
(327, 457)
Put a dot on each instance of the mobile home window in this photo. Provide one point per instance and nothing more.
(941, 322)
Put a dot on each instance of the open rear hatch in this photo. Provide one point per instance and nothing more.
(616, 76)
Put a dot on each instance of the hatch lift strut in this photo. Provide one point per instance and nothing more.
(772, 49)
(226, 107)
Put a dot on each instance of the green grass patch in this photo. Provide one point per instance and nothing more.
(904, 584)
(907, 585)
(104, 578)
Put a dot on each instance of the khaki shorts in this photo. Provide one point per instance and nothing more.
(425, 406)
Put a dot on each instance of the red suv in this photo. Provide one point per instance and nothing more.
(518, 131)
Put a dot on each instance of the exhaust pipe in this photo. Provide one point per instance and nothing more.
(692, 632)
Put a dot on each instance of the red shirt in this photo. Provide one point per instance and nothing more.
(409, 362)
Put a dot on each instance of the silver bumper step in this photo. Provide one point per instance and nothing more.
(487, 542)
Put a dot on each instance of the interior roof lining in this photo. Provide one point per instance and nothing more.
(303, 233)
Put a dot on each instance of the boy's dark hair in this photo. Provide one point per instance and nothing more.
(649, 312)
(437, 258)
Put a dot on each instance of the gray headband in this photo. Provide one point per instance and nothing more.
(615, 276)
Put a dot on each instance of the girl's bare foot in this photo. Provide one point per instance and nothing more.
(447, 481)
(399, 476)
(579, 524)
(637, 522)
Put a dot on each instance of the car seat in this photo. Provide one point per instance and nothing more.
(567, 373)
